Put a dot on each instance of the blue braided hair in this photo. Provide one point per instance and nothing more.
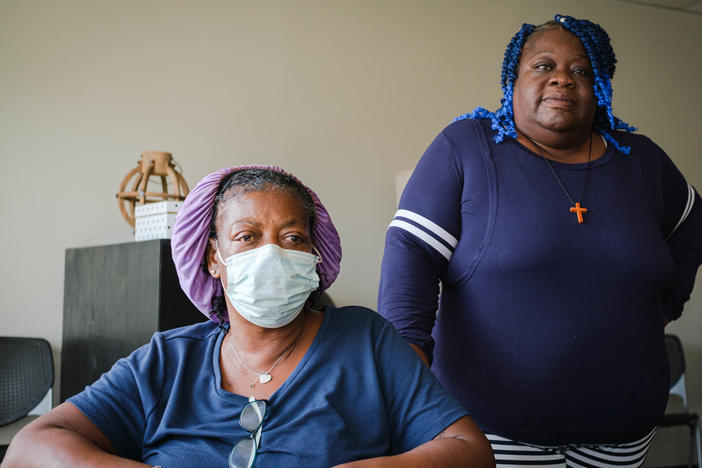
(596, 42)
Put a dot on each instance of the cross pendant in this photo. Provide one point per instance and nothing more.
(578, 211)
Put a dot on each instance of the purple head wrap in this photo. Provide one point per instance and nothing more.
(191, 235)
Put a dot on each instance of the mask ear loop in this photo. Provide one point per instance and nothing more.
(319, 260)
(220, 321)
(224, 287)
(219, 254)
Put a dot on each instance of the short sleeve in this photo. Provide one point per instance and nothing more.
(119, 402)
(417, 406)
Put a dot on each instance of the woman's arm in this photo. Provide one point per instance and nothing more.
(425, 425)
(462, 444)
(63, 437)
(419, 244)
(686, 249)
(682, 216)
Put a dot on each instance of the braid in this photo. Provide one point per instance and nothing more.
(503, 118)
(597, 44)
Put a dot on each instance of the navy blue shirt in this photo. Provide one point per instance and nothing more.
(359, 392)
(548, 331)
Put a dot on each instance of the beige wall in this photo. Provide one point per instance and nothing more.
(342, 93)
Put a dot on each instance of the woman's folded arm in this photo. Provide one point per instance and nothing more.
(63, 437)
(462, 444)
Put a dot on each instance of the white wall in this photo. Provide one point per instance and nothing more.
(342, 93)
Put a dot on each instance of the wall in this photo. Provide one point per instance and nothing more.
(344, 94)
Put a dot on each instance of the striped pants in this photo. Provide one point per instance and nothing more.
(510, 454)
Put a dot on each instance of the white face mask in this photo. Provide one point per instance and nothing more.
(269, 285)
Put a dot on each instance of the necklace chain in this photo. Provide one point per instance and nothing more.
(265, 377)
(553, 171)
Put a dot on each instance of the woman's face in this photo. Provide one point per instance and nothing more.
(553, 92)
(254, 219)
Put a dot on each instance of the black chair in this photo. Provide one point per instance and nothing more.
(677, 387)
(26, 377)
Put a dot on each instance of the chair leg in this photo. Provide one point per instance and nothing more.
(691, 450)
(699, 451)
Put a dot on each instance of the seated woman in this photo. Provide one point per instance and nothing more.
(268, 381)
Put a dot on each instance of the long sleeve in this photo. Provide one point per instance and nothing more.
(682, 210)
(419, 244)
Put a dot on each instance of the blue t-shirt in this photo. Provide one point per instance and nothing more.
(360, 391)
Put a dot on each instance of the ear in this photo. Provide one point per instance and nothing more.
(213, 263)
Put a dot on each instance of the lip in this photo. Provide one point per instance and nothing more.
(560, 100)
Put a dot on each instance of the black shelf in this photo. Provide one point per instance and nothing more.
(115, 298)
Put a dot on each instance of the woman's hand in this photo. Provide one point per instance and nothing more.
(462, 444)
(63, 437)
(421, 354)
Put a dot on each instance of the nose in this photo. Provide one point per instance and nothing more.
(562, 78)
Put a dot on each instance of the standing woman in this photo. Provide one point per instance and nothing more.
(563, 244)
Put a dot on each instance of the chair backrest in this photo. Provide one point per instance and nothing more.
(26, 375)
(676, 360)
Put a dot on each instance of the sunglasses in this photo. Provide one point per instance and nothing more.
(243, 453)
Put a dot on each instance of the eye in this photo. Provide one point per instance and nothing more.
(542, 66)
(244, 237)
(295, 239)
(581, 71)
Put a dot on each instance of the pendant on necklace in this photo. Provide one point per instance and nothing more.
(578, 211)
(266, 377)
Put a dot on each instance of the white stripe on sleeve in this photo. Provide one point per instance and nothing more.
(430, 225)
(686, 211)
(438, 246)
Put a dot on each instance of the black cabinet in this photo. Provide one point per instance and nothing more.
(115, 298)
